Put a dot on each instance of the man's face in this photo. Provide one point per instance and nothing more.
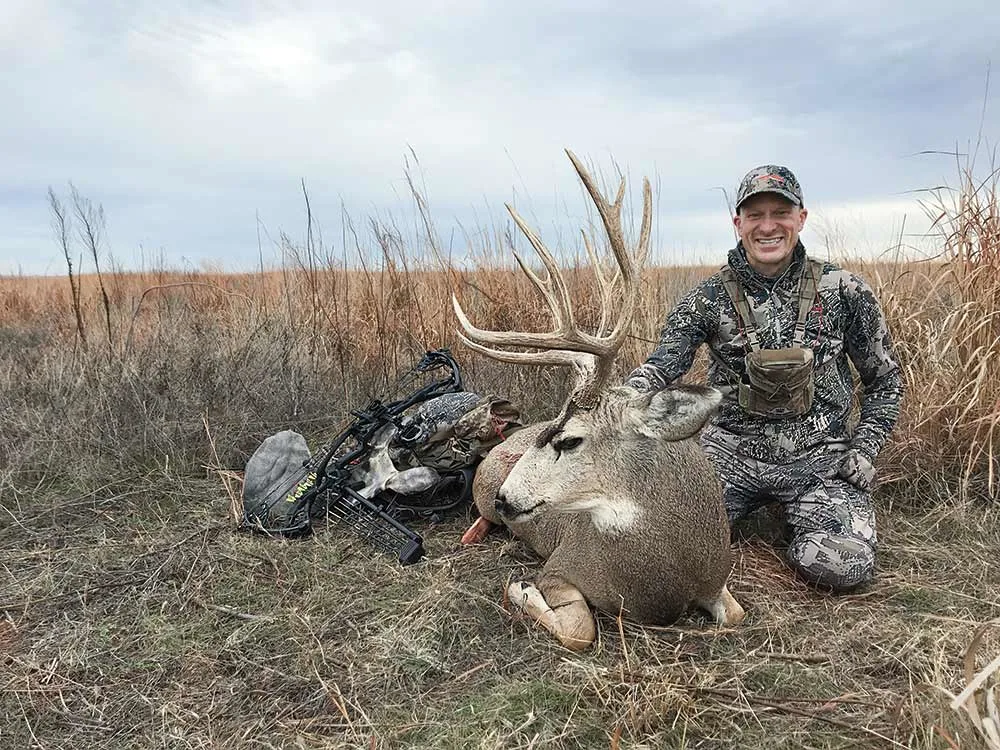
(769, 226)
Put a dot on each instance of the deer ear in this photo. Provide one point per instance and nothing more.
(676, 412)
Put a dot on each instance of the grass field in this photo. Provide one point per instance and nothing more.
(134, 614)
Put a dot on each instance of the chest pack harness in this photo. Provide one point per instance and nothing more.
(778, 383)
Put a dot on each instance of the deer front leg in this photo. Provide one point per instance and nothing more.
(562, 611)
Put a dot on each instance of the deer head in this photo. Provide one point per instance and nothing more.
(605, 439)
(608, 459)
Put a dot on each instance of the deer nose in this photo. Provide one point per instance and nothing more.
(500, 503)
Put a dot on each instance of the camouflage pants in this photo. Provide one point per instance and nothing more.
(831, 523)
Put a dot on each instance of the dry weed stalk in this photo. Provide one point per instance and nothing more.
(979, 698)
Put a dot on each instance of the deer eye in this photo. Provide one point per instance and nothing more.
(567, 444)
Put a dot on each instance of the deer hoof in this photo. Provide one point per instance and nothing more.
(724, 608)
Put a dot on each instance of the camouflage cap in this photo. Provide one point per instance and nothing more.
(770, 178)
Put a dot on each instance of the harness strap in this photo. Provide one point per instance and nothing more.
(805, 292)
(806, 288)
(735, 292)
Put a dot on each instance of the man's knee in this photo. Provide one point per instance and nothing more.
(840, 563)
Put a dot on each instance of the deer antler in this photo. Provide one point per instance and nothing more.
(591, 355)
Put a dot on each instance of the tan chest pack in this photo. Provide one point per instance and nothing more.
(778, 383)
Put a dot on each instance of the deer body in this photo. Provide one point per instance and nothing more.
(615, 493)
(638, 527)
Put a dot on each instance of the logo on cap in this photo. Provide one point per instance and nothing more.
(770, 178)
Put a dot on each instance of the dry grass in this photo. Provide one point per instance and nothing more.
(133, 614)
(946, 320)
(137, 617)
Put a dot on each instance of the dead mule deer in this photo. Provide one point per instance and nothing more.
(615, 493)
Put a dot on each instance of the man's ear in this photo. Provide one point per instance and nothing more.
(674, 413)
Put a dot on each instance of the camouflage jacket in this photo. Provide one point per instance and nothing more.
(846, 325)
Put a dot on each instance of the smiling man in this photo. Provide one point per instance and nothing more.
(782, 331)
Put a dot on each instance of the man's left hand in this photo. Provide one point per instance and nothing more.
(857, 470)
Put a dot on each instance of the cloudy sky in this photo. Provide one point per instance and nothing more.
(195, 122)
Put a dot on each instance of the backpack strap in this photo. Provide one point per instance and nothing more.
(735, 292)
(806, 291)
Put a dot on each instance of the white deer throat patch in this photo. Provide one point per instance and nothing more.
(610, 516)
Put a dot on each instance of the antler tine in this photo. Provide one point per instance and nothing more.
(628, 262)
(553, 287)
(605, 288)
(554, 340)
(592, 356)
(558, 357)
(610, 214)
(554, 291)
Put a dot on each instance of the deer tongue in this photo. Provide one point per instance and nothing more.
(478, 531)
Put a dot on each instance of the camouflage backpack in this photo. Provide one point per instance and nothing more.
(454, 431)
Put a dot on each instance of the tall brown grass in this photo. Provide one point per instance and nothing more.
(253, 353)
(250, 352)
(945, 315)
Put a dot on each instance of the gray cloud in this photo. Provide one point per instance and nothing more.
(186, 120)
